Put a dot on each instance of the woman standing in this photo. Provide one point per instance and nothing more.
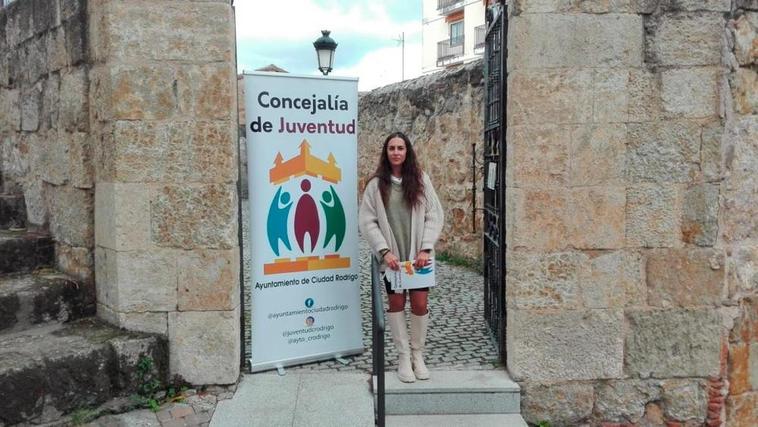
(401, 218)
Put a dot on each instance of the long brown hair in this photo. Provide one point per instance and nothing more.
(413, 183)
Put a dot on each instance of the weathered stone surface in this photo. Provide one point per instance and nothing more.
(560, 96)
(74, 109)
(745, 46)
(205, 346)
(178, 152)
(652, 216)
(739, 197)
(624, 401)
(645, 102)
(742, 271)
(208, 280)
(77, 262)
(540, 155)
(685, 399)
(72, 215)
(200, 31)
(80, 168)
(142, 92)
(30, 108)
(35, 194)
(690, 92)
(597, 155)
(700, 214)
(568, 40)
(700, 5)
(561, 404)
(122, 216)
(662, 151)
(50, 158)
(742, 410)
(686, 39)
(611, 99)
(540, 220)
(710, 151)
(206, 91)
(136, 281)
(76, 39)
(10, 103)
(50, 107)
(673, 343)
(565, 345)
(739, 368)
(190, 217)
(149, 322)
(685, 277)
(745, 91)
(613, 280)
(597, 217)
(544, 281)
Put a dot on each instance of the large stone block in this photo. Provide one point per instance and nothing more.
(739, 368)
(150, 322)
(745, 33)
(644, 94)
(685, 399)
(686, 39)
(652, 216)
(544, 281)
(207, 91)
(50, 105)
(624, 401)
(597, 155)
(700, 214)
(540, 219)
(142, 92)
(78, 262)
(72, 215)
(565, 345)
(208, 280)
(742, 410)
(554, 96)
(81, 173)
(540, 155)
(76, 39)
(742, 271)
(673, 343)
(192, 217)
(597, 217)
(561, 404)
(685, 277)
(701, 5)
(10, 104)
(31, 101)
(198, 31)
(691, 92)
(662, 151)
(613, 280)
(569, 40)
(611, 100)
(45, 15)
(178, 152)
(739, 198)
(122, 216)
(19, 26)
(205, 346)
(136, 281)
(745, 91)
(74, 108)
(710, 151)
(50, 159)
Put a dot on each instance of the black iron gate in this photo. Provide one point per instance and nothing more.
(495, 54)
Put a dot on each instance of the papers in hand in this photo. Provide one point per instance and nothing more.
(410, 277)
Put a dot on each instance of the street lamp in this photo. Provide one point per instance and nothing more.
(325, 47)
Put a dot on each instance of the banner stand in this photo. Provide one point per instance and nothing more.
(302, 150)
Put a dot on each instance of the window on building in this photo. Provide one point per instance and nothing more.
(456, 33)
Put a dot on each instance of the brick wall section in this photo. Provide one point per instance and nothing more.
(164, 109)
(631, 281)
(442, 114)
(45, 140)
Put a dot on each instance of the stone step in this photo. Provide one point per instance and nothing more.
(23, 251)
(12, 211)
(471, 420)
(44, 296)
(56, 368)
(453, 392)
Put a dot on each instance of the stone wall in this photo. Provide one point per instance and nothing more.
(631, 192)
(442, 114)
(45, 150)
(164, 110)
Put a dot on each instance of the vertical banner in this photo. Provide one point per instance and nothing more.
(302, 173)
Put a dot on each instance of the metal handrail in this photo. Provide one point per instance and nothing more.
(377, 349)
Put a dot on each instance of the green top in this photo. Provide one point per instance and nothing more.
(399, 217)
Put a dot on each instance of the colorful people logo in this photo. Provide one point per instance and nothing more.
(309, 224)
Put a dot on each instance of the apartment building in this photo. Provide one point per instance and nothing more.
(453, 32)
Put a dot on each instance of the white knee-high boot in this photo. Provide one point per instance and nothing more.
(419, 325)
(400, 338)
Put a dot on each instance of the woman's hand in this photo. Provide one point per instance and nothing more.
(422, 259)
(392, 261)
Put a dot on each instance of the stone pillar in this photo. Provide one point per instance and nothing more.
(615, 282)
(163, 85)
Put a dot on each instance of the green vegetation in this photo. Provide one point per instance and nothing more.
(474, 264)
(543, 424)
(83, 416)
(150, 395)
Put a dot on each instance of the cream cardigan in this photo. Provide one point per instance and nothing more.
(427, 220)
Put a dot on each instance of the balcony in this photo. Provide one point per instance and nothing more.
(479, 33)
(445, 7)
(448, 51)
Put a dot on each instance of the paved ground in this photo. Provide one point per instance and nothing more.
(457, 339)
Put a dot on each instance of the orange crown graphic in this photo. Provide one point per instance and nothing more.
(304, 164)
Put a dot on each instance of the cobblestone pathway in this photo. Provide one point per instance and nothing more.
(457, 339)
